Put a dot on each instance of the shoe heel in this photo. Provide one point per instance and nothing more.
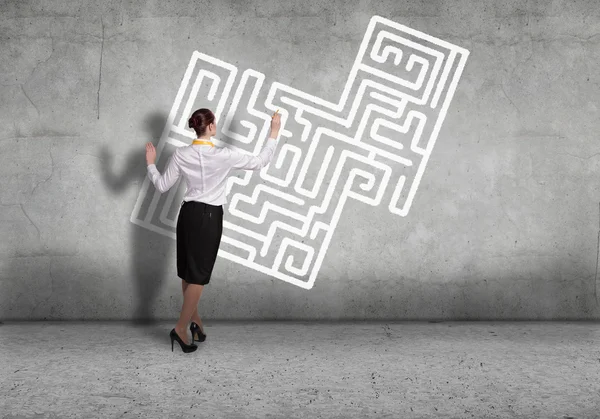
(185, 348)
(195, 329)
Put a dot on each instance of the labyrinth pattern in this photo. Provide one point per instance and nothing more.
(372, 147)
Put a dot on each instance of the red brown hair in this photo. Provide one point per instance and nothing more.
(200, 120)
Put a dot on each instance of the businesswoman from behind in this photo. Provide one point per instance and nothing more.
(205, 169)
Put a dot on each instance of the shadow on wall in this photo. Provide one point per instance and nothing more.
(53, 284)
(60, 285)
(149, 250)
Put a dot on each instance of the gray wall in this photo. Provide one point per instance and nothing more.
(504, 224)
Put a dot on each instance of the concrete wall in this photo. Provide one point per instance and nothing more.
(504, 225)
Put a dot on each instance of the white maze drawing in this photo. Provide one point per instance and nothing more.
(372, 148)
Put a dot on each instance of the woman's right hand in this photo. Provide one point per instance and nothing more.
(275, 124)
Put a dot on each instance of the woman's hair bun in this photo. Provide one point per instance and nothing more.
(200, 120)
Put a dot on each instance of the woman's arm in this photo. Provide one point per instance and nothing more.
(239, 160)
(167, 180)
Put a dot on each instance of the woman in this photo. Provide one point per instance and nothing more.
(205, 169)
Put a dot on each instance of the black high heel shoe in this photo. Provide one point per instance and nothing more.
(184, 347)
(197, 333)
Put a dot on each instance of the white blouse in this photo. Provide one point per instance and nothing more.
(206, 168)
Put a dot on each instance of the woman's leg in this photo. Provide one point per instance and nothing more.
(195, 316)
(190, 301)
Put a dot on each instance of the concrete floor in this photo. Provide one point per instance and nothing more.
(300, 369)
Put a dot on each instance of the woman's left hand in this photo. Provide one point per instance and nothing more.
(150, 154)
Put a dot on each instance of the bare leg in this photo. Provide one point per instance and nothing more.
(190, 301)
(195, 316)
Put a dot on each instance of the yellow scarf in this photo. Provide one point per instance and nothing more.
(195, 142)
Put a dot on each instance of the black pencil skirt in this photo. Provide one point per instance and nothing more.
(199, 230)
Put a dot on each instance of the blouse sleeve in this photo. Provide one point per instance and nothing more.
(164, 182)
(240, 160)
